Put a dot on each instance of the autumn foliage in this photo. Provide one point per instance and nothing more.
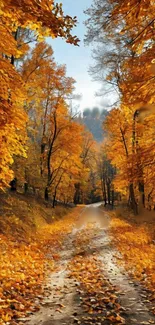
(46, 152)
(124, 34)
(42, 142)
(22, 22)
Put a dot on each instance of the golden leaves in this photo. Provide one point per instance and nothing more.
(17, 16)
(135, 242)
(42, 17)
(24, 265)
(21, 278)
(96, 294)
(130, 69)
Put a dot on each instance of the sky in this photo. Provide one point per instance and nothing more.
(77, 59)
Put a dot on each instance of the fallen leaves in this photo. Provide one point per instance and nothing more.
(24, 266)
(135, 243)
(96, 294)
(21, 276)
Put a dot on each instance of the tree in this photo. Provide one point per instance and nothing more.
(45, 19)
(85, 185)
(68, 170)
(51, 125)
(124, 34)
(106, 174)
(12, 121)
(119, 151)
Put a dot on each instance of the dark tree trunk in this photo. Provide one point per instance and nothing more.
(112, 198)
(13, 185)
(15, 34)
(108, 192)
(25, 187)
(77, 193)
(46, 194)
(142, 193)
(133, 202)
(105, 195)
(149, 198)
(54, 200)
(12, 59)
(134, 205)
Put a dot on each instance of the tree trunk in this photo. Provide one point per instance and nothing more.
(15, 35)
(25, 187)
(142, 193)
(13, 185)
(105, 195)
(149, 199)
(133, 200)
(112, 198)
(54, 200)
(77, 194)
(108, 192)
(46, 194)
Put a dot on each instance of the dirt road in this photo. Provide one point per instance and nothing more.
(88, 286)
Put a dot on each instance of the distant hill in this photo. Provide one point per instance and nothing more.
(93, 120)
(95, 127)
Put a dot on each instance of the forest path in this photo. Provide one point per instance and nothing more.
(88, 286)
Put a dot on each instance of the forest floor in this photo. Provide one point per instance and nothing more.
(98, 268)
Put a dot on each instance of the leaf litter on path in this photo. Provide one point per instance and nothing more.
(24, 266)
(90, 286)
